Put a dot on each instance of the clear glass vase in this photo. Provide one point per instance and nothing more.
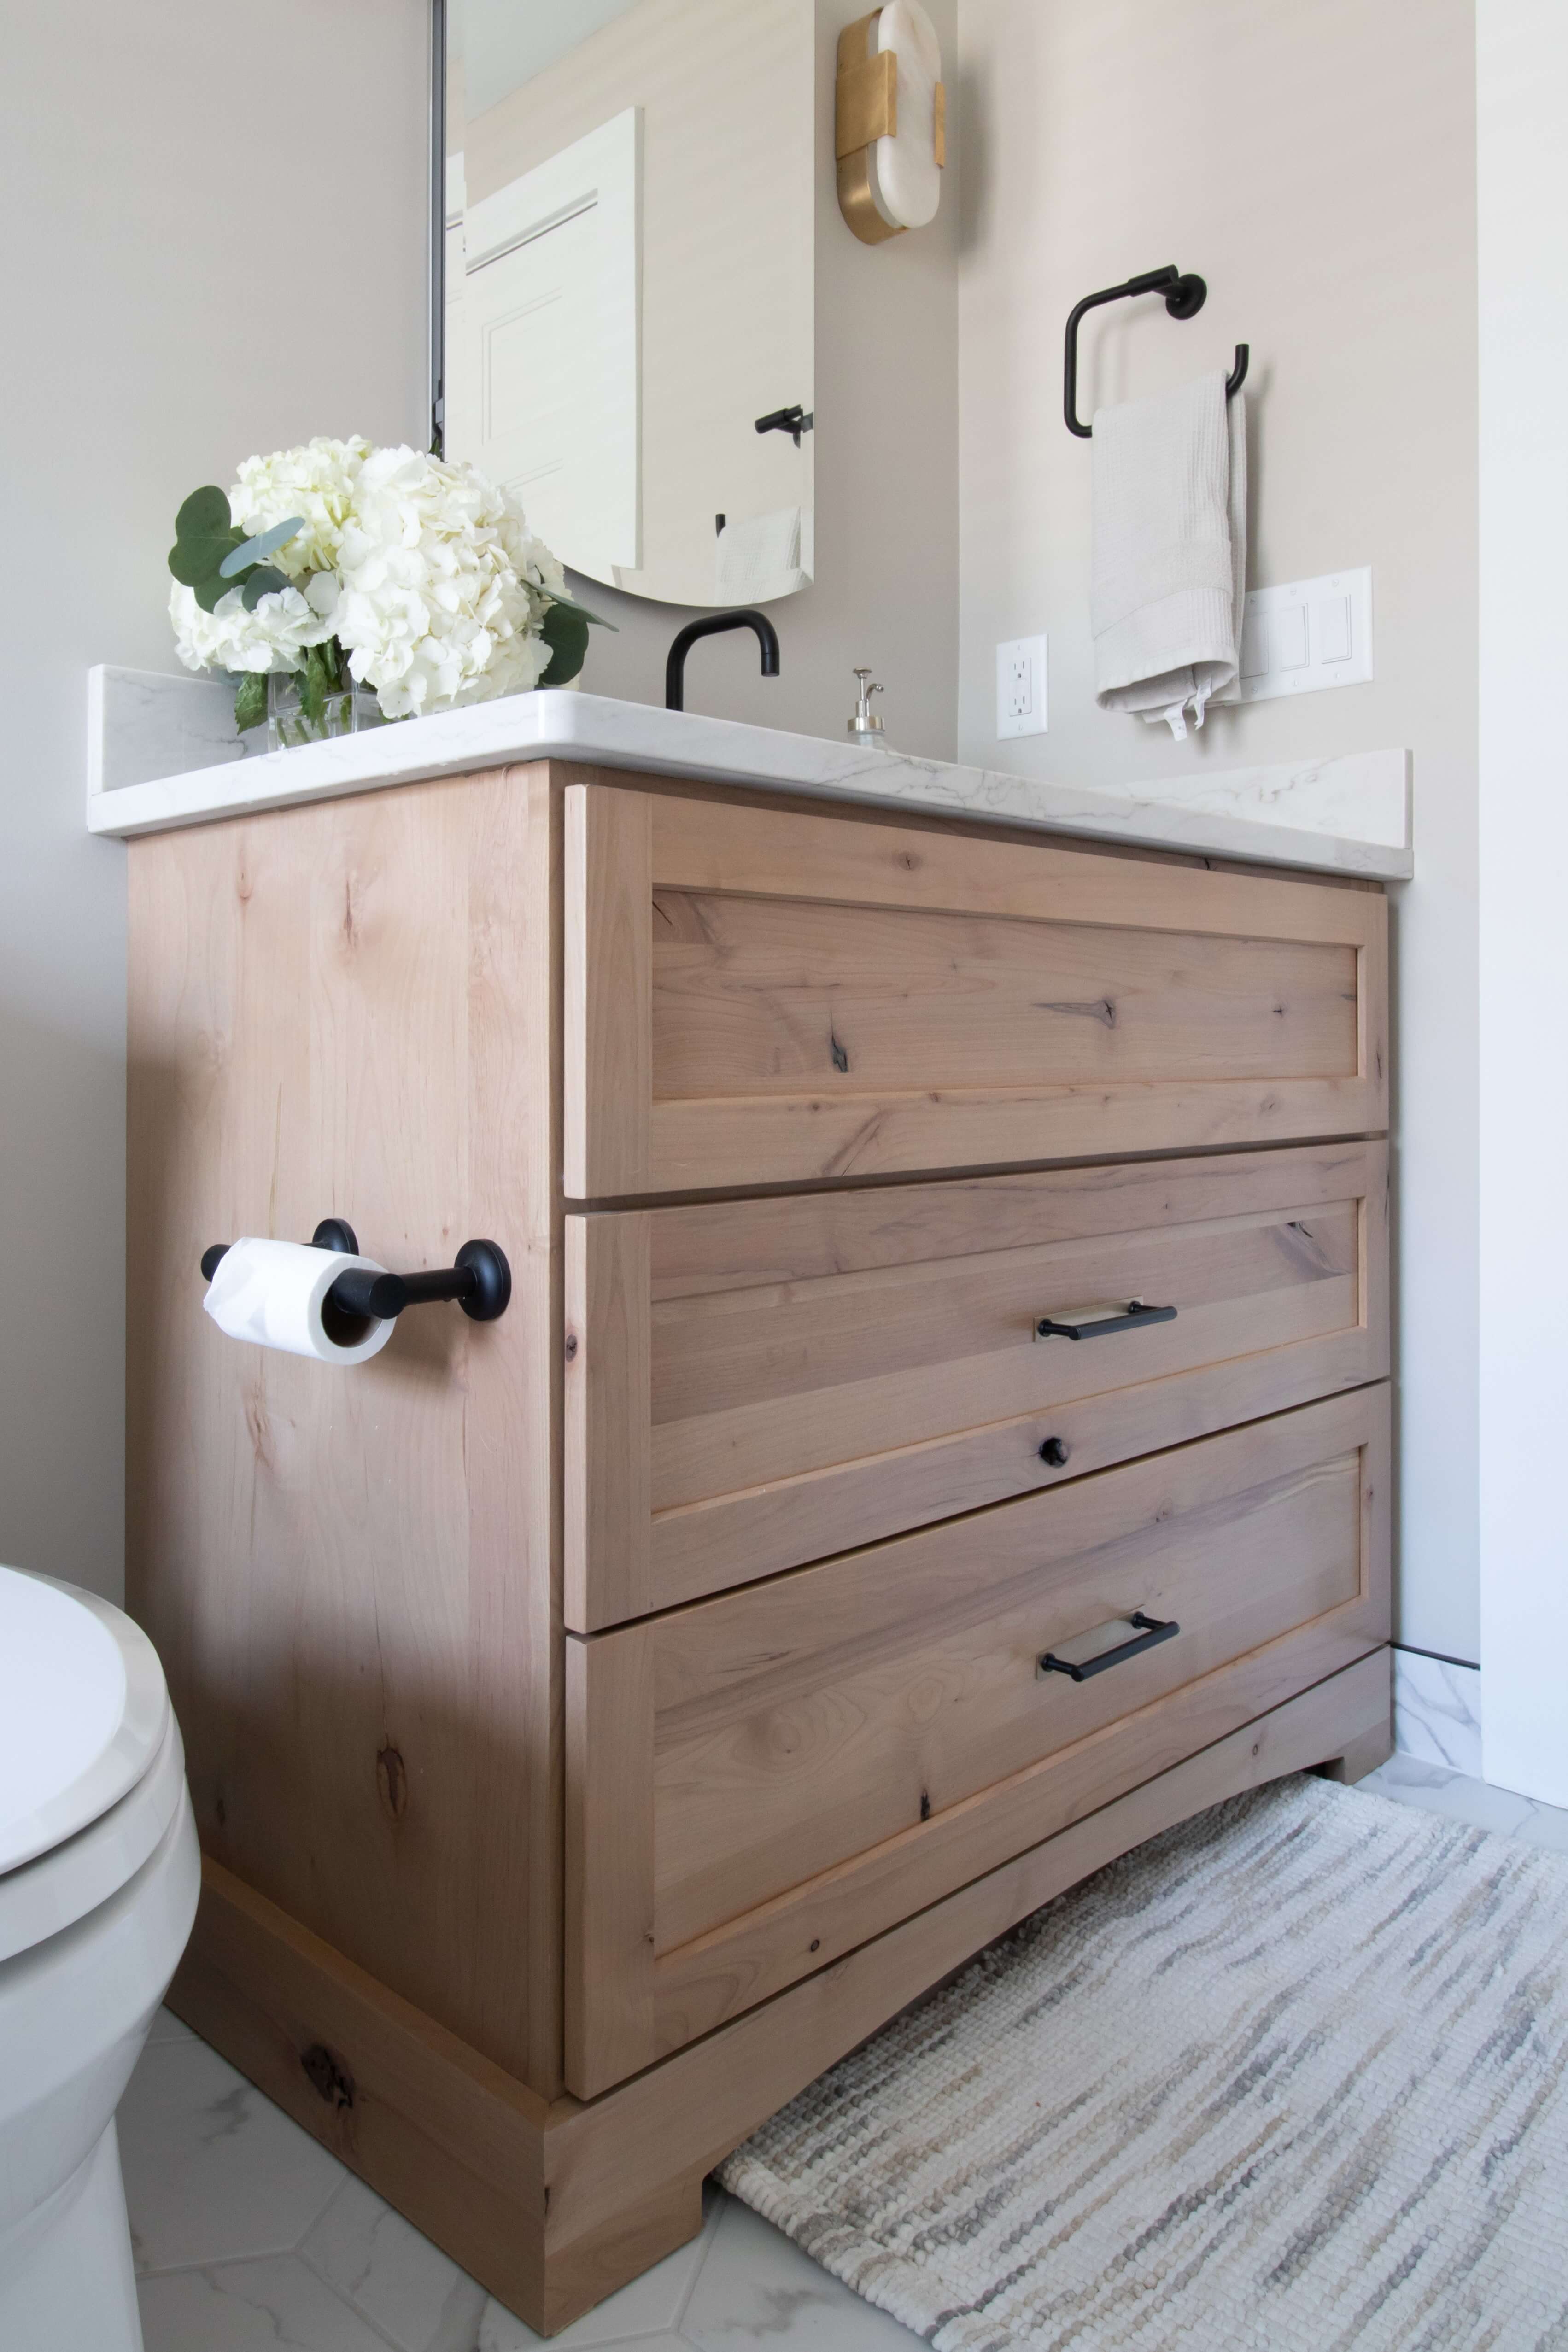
(346, 709)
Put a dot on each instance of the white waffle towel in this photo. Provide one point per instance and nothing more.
(1170, 551)
(760, 557)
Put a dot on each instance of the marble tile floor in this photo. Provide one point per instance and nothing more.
(249, 2237)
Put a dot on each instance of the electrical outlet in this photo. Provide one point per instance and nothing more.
(1021, 687)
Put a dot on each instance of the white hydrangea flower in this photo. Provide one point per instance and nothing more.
(427, 575)
(317, 481)
(273, 637)
(443, 590)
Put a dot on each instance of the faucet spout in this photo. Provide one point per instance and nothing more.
(713, 625)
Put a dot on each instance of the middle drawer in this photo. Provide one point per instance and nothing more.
(754, 1384)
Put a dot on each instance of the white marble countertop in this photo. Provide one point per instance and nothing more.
(162, 754)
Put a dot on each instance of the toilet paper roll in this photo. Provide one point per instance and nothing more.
(272, 1293)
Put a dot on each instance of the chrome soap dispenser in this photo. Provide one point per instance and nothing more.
(863, 728)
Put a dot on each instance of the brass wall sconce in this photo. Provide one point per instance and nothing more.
(890, 131)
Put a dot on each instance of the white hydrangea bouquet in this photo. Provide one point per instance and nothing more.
(338, 565)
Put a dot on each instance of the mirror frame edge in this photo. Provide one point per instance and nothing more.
(436, 267)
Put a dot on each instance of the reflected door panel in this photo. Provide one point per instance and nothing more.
(543, 347)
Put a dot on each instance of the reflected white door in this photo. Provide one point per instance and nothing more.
(543, 347)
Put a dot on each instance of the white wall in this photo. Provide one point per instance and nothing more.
(214, 243)
(1522, 105)
(1315, 164)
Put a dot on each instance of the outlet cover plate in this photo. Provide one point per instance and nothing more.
(1306, 635)
(1021, 687)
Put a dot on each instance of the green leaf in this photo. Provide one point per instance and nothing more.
(314, 682)
(208, 590)
(265, 581)
(205, 514)
(250, 700)
(264, 543)
(203, 536)
(565, 631)
(565, 604)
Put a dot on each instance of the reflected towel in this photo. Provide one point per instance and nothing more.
(760, 557)
(1169, 570)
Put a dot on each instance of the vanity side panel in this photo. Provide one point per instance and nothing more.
(353, 1008)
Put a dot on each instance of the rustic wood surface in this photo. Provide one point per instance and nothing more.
(435, 1012)
(774, 1380)
(352, 1009)
(552, 2207)
(827, 1749)
(828, 998)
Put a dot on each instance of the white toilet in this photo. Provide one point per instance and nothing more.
(98, 1875)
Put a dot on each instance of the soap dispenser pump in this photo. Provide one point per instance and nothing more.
(863, 728)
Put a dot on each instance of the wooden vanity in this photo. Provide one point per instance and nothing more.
(602, 1720)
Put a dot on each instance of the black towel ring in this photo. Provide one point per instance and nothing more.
(1184, 298)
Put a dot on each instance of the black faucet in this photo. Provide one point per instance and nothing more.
(714, 626)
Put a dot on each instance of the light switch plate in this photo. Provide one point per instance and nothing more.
(1306, 635)
(1021, 687)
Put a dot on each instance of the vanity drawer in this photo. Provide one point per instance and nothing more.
(754, 997)
(754, 1384)
(757, 1783)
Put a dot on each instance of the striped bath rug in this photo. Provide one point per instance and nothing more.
(1289, 2078)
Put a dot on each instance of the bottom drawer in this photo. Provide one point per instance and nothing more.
(759, 1783)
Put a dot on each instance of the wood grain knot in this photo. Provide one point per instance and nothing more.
(329, 2080)
(392, 1780)
(925, 1806)
(571, 1346)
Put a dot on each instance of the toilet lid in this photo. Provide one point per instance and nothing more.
(83, 1711)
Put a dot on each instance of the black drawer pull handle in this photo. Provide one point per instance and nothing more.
(1093, 1322)
(1152, 1631)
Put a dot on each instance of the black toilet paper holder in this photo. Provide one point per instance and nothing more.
(479, 1280)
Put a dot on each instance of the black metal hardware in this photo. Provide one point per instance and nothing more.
(793, 421)
(1054, 1452)
(479, 1280)
(1089, 1325)
(1184, 298)
(1152, 1631)
(334, 1233)
(714, 625)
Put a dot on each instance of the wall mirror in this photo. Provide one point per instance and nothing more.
(624, 272)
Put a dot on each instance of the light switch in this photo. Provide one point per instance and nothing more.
(1305, 635)
(1290, 638)
(1334, 619)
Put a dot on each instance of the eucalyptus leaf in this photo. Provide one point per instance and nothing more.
(565, 631)
(264, 543)
(208, 591)
(205, 514)
(204, 535)
(565, 604)
(265, 581)
(250, 700)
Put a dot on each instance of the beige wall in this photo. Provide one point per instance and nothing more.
(214, 244)
(885, 452)
(1316, 165)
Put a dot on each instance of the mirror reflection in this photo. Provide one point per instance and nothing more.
(629, 261)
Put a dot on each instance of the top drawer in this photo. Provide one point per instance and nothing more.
(754, 997)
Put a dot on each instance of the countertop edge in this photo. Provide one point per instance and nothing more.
(596, 731)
